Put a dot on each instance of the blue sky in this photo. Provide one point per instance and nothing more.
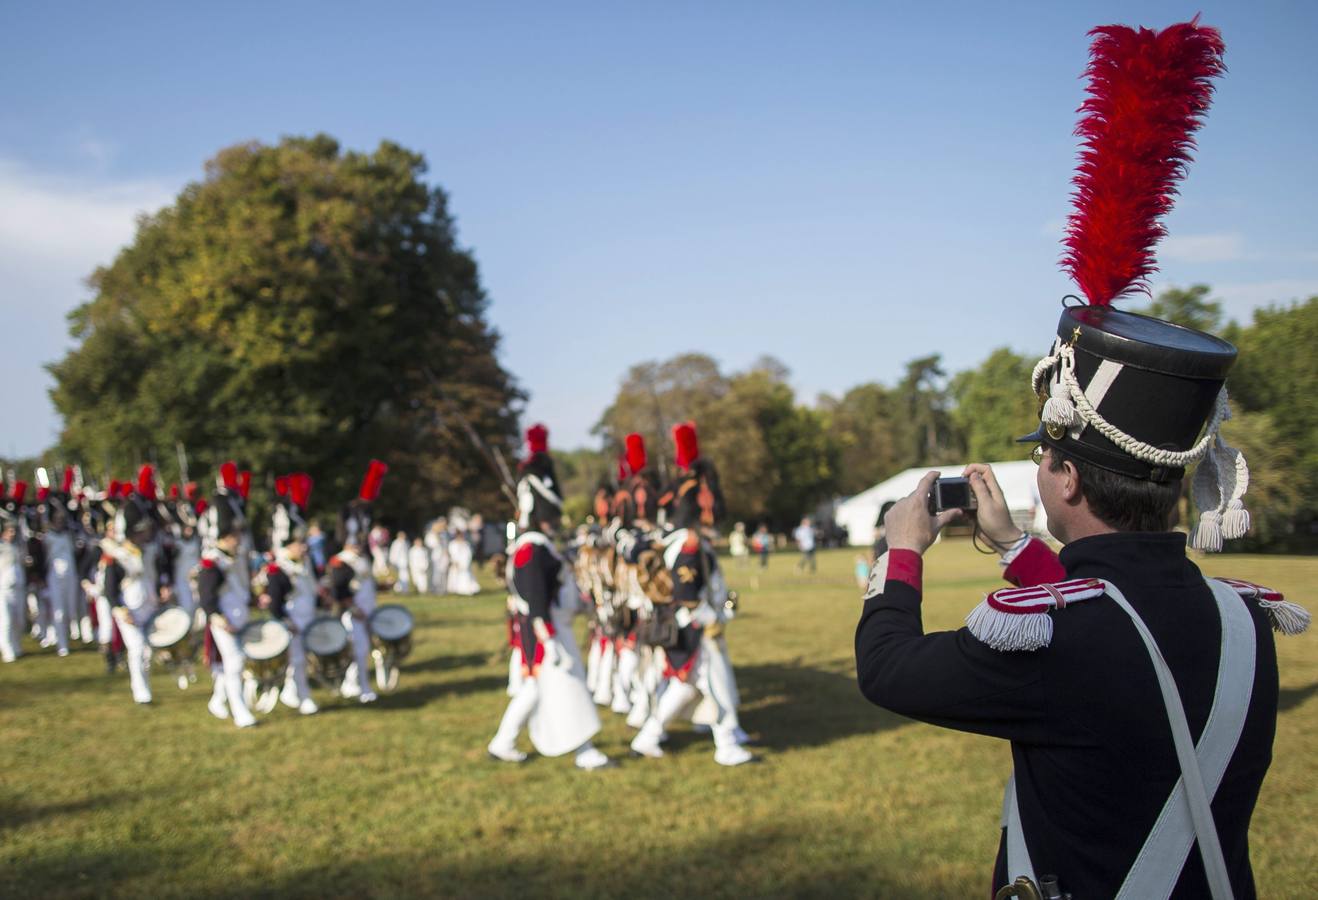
(842, 185)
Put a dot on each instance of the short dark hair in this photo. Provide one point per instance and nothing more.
(1119, 501)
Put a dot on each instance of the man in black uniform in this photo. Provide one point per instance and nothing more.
(1124, 784)
(550, 699)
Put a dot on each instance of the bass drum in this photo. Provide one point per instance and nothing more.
(170, 634)
(265, 644)
(391, 635)
(325, 641)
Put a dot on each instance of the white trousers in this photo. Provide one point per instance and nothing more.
(62, 594)
(520, 707)
(296, 679)
(361, 650)
(138, 651)
(104, 622)
(43, 626)
(229, 684)
(13, 618)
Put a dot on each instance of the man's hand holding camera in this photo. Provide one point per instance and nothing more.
(909, 525)
(994, 518)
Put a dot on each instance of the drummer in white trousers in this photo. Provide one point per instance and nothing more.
(291, 595)
(352, 583)
(224, 592)
(135, 550)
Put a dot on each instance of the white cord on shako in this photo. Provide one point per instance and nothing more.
(1220, 481)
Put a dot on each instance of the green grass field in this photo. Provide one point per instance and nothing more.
(101, 797)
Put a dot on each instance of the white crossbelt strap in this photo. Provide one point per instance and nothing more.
(1018, 855)
(1188, 811)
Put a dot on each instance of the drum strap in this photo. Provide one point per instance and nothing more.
(1187, 814)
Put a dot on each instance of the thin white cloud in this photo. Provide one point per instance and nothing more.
(1240, 299)
(46, 220)
(1203, 248)
(54, 231)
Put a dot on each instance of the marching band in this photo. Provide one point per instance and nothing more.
(175, 580)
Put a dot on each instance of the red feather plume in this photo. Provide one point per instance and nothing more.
(299, 489)
(244, 484)
(372, 482)
(281, 486)
(1148, 92)
(537, 439)
(146, 481)
(67, 485)
(686, 446)
(635, 452)
(229, 476)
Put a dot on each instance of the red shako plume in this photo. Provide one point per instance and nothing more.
(635, 452)
(146, 481)
(686, 447)
(299, 489)
(537, 439)
(68, 480)
(229, 476)
(1148, 92)
(373, 481)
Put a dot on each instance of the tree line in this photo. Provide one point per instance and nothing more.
(779, 457)
(306, 308)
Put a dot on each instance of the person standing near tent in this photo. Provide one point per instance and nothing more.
(805, 540)
(762, 541)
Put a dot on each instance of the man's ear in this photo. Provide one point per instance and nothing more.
(1071, 487)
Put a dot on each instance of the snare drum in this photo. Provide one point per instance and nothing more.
(391, 626)
(325, 641)
(169, 633)
(265, 645)
(391, 633)
(168, 627)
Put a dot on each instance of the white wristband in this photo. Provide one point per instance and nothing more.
(1009, 555)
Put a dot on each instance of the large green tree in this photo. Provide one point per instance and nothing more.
(994, 406)
(1276, 375)
(300, 307)
(863, 426)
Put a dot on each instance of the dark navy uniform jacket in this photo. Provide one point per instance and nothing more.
(1090, 740)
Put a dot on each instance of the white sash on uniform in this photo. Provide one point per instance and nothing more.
(1187, 814)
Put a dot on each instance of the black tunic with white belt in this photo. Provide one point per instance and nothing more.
(1092, 747)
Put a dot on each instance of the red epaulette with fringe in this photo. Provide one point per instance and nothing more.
(1016, 618)
(1286, 617)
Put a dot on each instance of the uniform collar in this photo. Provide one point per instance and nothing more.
(1154, 556)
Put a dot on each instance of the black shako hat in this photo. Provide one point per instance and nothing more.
(1128, 393)
(694, 498)
(1131, 393)
(539, 497)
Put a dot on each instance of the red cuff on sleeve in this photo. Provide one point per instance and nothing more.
(906, 566)
(1036, 564)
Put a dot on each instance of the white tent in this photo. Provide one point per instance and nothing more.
(859, 514)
